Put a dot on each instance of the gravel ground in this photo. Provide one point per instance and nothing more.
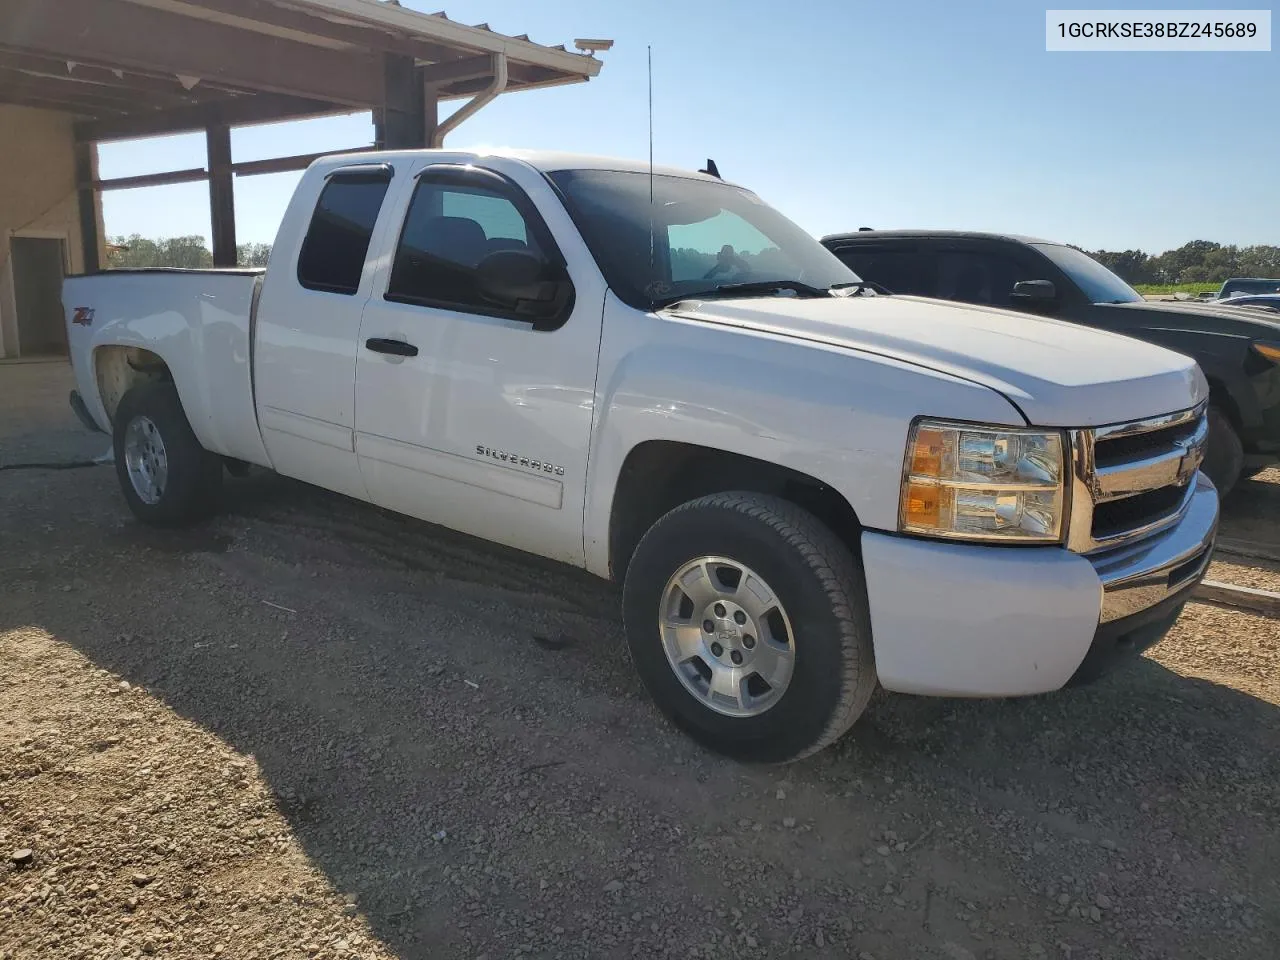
(347, 734)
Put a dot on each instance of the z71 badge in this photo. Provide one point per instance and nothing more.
(518, 461)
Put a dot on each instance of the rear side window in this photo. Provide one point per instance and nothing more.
(337, 241)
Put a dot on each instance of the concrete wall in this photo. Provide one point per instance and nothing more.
(37, 196)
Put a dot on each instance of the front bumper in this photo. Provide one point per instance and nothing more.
(980, 621)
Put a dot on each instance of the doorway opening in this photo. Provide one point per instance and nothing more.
(39, 264)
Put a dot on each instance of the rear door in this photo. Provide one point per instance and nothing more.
(467, 415)
(308, 322)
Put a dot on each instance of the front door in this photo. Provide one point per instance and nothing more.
(468, 414)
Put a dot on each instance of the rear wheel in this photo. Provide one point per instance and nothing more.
(1224, 455)
(747, 621)
(167, 478)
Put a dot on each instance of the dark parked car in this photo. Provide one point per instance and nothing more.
(1264, 301)
(1239, 286)
(1238, 350)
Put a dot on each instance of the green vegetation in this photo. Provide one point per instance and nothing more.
(136, 253)
(1147, 289)
(1191, 265)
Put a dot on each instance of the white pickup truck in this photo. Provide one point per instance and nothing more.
(804, 487)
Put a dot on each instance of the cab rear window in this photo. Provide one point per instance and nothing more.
(337, 240)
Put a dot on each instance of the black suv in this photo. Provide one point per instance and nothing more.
(1237, 348)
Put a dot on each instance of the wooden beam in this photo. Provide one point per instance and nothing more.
(300, 161)
(93, 72)
(222, 202)
(190, 175)
(468, 68)
(128, 35)
(83, 110)
(1264, 602)
(364, 37)
(71, 90)
(87, 203)
(240, 111)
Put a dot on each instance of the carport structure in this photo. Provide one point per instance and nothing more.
(136, 68)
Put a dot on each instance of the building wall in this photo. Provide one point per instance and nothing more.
(37, 197)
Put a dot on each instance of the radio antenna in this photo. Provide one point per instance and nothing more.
(652, 258)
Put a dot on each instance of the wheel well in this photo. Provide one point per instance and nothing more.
(659, 475)
(118, 369)
(1221, 398)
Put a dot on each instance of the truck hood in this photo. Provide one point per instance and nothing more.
(1058, 374)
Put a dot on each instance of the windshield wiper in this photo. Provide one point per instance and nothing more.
(856, 288)
(748, 288)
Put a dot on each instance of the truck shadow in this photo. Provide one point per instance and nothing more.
(467, 781)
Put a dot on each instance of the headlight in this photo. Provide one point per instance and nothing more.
(968, 482)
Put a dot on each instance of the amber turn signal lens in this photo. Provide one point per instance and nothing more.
(926, 454)
(925, 503)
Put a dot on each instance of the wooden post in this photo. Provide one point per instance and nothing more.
(401, 122)
(222, 201)
(87, 198)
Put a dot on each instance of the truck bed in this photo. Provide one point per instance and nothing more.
(199, 322)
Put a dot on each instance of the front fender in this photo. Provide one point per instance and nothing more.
(835, 414)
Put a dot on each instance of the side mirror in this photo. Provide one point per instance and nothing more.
(1034, 294)
(525, 285)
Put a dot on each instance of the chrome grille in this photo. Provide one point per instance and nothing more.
(1131, 480)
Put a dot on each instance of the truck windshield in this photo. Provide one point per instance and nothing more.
(1099, 284)
(695, 238)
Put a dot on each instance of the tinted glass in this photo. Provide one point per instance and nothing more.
(1099, 284)
(694, 236)
(337, 241)
(972, 276)
(448, 233)
(898, 271)
(1233, 288)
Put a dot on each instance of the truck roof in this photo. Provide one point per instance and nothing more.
(932, 235)
(547, 161)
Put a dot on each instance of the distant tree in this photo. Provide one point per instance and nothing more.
(1132, 266)
(253, 254)
(136, 252)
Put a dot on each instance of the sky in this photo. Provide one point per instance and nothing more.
(842, 114)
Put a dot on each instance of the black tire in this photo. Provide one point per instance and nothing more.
(194, 475)
(818, 581)
(1224, 454)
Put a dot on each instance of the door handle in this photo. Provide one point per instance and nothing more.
(397, 348)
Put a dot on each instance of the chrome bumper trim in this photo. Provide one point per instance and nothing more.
(1144, 574)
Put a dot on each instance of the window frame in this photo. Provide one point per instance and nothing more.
(357, 172)
(463, 175)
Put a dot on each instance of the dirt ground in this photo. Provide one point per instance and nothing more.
(315, 729)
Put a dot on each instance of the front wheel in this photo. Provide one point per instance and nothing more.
(1224, 454)
(168, 479)
(747, 621)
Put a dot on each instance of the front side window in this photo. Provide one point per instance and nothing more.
(972, 277)
(1098, 283)
(664, 238)
(337, 241)
(460, 242)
